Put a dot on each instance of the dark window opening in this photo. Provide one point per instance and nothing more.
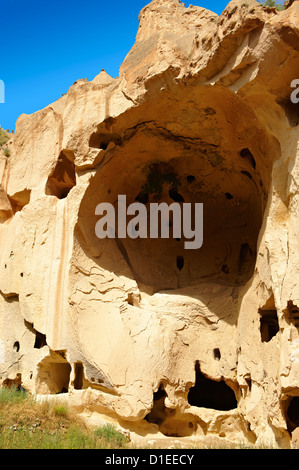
(246, 173)
(293, 314)
(175, 196)
(190, 179)
(229, 196)
(180, 262)
(143, 198)
(246, 154)
(225, 269)
(102, 140)
(210, 394)
(293, 414)
(16, 346)
(217, 354)
(249, 383)
(40, 340)
(245, 258)
(79, 374)
(269, 326)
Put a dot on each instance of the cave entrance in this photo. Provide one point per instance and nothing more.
(186, 158)
(157, 414)
(63, 177)
(170, 422)
(53, 375)
(208, 393)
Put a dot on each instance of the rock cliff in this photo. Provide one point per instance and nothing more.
(162, 340)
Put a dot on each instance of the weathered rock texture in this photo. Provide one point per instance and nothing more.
(162, 340)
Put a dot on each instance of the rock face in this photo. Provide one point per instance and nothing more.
(157, 338)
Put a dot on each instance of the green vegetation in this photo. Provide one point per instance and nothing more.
(4, 137)
(273, 4)
(6, 152)
(27, 424)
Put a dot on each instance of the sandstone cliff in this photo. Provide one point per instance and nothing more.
(162, 340)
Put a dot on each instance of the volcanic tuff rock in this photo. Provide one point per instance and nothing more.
(162, 340)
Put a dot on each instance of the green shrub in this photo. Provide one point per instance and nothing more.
(4, 137)
(12, 396)
(6, 152)
(273, 4)
(111, 437)
(60, 410)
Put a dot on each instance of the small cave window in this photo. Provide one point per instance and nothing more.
(249, 383)
(40, 340)
(292, 414)
(16, 346)
(225, 269)
(229, 196)
(247, 155)
(102, 140)
(79, 375)
(191, 179)
(180, 262)
(246, 173)
(63, 177)
(134, 299)
(269, 325)
(175, 196)
(211, 394)
(293, 314)
(217, 354)
(245, 258)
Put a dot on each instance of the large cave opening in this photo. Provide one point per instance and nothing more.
(180, 153)
(170, 421)
(208, 393)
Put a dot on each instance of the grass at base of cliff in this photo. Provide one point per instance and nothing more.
(26, 424)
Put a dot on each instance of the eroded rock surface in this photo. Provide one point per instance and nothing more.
(159, 339)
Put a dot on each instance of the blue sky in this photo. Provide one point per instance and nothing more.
(48, 45)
